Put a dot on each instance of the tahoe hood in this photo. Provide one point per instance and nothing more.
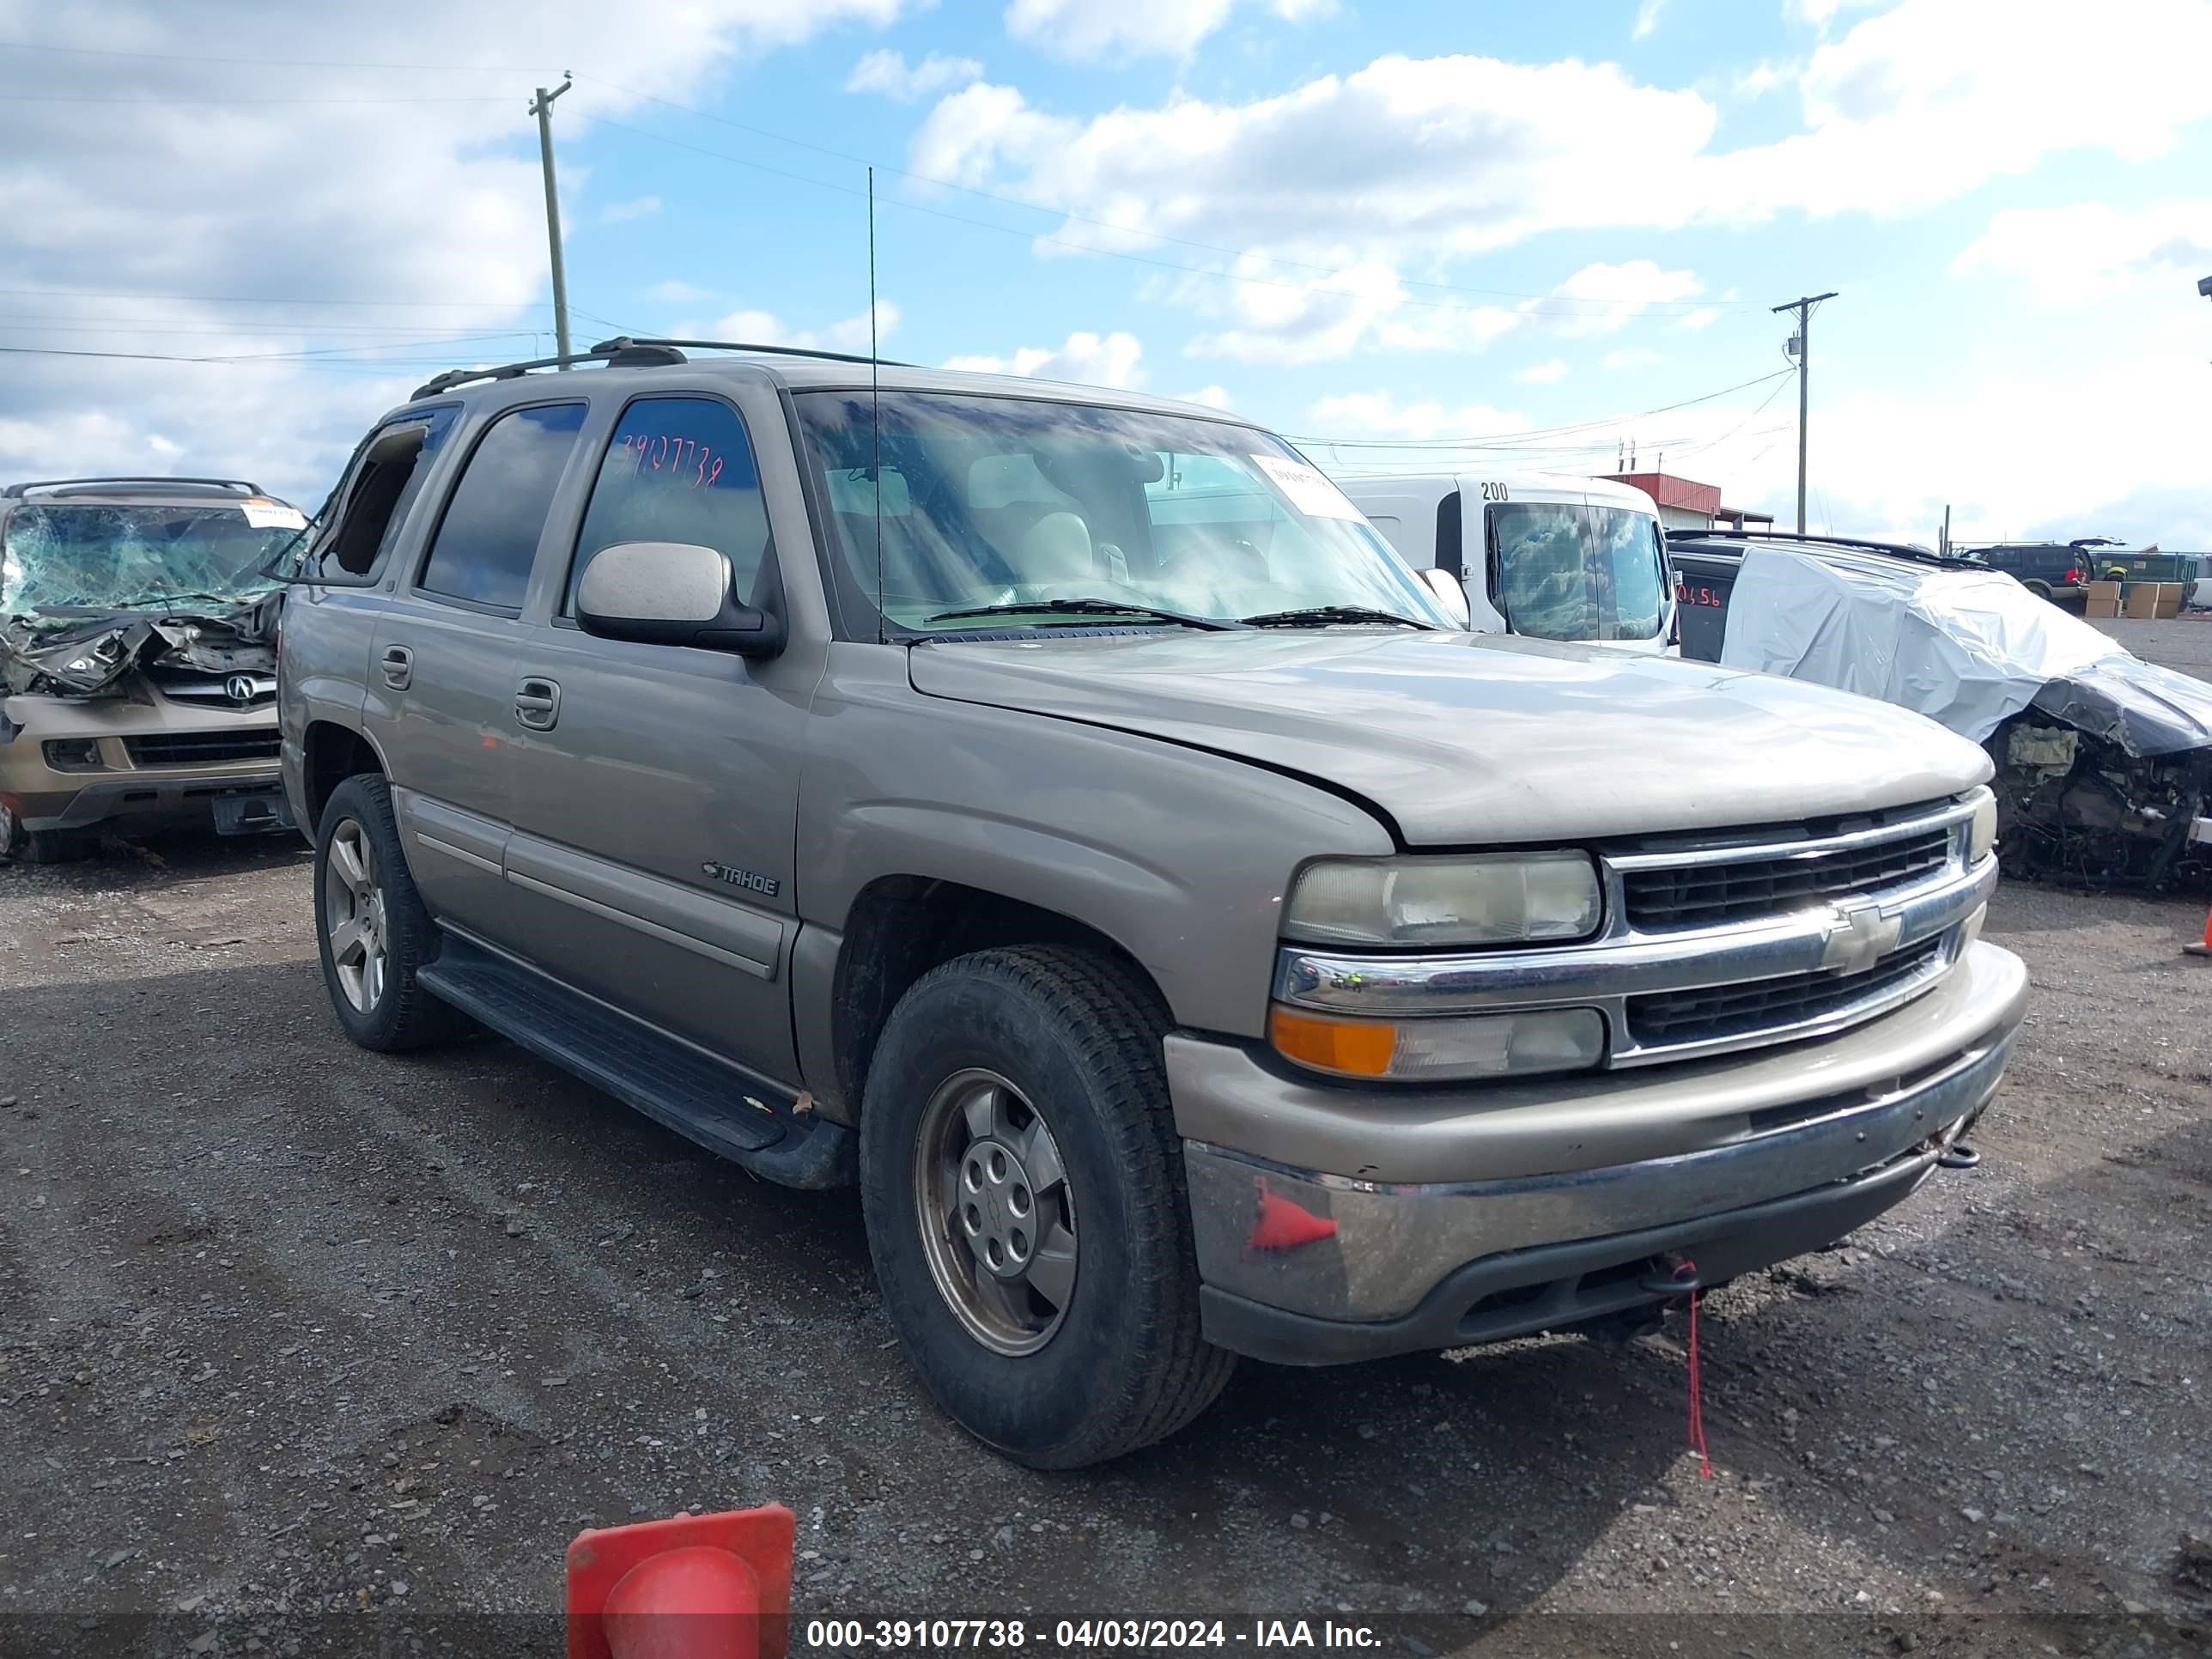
(1464, 739)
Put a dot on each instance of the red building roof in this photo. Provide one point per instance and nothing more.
(1668, 490)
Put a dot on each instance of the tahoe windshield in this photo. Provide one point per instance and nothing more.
(131, 558)
(1564, 572)
(1054, 514)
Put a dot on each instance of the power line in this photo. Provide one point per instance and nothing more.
(224, 362)
(1538, 304)
(591, 317)
(265, 299)
(1491, 440)
(1773, 392)
(325, 352)
(234, 59)
(1120, 230)
(72, 98)
(47, 322)
(1534, 305)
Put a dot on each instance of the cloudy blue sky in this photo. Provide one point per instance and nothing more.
(1488, 234)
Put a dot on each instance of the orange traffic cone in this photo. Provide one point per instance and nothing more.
(2205, 948)
(691, 1587)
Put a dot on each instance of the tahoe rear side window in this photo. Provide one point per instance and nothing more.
(489, 537)
(678, 470)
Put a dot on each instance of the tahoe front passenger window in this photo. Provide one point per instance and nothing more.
(678, 470)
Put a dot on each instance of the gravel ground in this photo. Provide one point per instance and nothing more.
(2184, 642)
(288, 1332)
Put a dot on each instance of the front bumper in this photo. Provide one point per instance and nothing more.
(128, 782)
(1476, 1214)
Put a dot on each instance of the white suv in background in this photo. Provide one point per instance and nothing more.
(1552, 557)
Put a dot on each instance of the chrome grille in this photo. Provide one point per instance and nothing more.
(1728, 1012)
(1709, 945)
(1704, 895)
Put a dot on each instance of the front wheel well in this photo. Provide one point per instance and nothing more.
(902, 926)
(330, 754)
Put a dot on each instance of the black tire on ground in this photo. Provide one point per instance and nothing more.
(1079, 1035)
(403, 1015)
(56, 846)
(2038, 586)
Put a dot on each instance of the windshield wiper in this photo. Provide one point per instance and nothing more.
(1083, 608)
(1321, 616)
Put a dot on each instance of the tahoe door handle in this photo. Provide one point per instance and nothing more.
(537, 703)
(397, 662)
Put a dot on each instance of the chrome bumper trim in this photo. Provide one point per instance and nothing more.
(1393, 1243)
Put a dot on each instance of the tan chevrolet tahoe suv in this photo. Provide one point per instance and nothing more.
(137, 659)
(1060, 812)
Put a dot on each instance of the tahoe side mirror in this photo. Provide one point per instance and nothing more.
(1449, 594)
(671, 594)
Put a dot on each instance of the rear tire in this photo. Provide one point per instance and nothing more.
(1034, 1075)
(2038, 586)
(372, 929)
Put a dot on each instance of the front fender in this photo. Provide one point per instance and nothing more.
(1179, 856)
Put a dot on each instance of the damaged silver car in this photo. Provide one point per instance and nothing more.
(137, 659)
(2103, 760)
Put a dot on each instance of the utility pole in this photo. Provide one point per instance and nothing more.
(1804, 309)
(542, 109)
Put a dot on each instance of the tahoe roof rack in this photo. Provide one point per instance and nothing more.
(102, 486)
(632, 351)
(775, 350)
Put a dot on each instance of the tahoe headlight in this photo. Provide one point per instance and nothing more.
(1983, 835)
(1490, 898)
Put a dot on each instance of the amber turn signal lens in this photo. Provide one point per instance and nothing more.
(1354, 1047)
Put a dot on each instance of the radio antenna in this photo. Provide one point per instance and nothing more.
(875, 410)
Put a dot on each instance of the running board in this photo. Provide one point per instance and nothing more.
(724, 1110)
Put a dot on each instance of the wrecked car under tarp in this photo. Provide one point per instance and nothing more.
(92, 594)
(2103, 760)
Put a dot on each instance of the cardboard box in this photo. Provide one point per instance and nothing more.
(2141, 600)
(2103, 608)
(2168, 602)
(2106, 590)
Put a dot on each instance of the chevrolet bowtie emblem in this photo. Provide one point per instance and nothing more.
(1859, 936)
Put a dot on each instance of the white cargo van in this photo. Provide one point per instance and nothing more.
(1553, 557)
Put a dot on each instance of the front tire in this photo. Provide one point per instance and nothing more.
(56, 846)
(372, 929)
(1022, 1182)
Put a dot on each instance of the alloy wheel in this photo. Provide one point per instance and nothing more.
(998, 1220)
(354, 916)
